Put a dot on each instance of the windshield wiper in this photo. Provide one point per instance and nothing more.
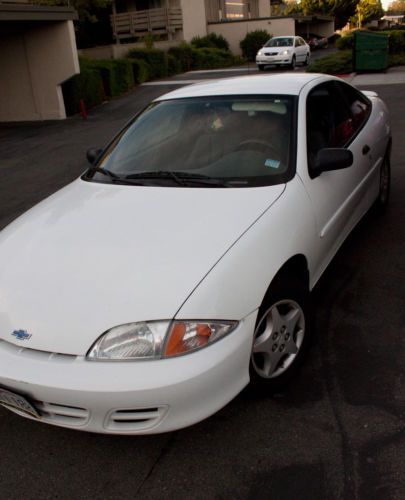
(103, 171)
(182, 178)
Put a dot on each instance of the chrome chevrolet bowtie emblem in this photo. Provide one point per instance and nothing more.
(21, 335)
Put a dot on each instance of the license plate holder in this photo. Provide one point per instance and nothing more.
(12, 400)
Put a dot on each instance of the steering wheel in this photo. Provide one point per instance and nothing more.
(258, 145)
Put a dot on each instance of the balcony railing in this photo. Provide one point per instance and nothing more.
(142, 22)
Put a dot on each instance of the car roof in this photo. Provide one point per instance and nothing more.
(284, 84)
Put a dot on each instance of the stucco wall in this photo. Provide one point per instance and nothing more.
(194, 19)
(33, 66)
(264, 8)
(234, 32)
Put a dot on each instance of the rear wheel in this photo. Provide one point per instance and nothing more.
(282, 334)
(306, 62)
(381, 202)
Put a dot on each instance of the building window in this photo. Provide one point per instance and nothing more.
(235, 9)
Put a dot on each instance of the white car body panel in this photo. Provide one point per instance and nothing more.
(85, 283)
(94, 256)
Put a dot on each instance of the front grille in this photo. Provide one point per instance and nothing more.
(20, 350)
(135, 419)
(270, 53)
(61, 414)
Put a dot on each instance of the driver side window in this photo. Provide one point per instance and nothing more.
(329, 122)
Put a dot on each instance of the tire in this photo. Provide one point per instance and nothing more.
(282, 334)
(293, 62)
(382, 200)
(306, 62)
(260, 67)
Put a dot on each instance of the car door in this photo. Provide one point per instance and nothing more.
(300, 49)
(338, 197)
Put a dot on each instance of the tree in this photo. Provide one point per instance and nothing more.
(366, 11)
(292, 7)
(93, 27)
(396, 8)
(85, 8)
(342, 10)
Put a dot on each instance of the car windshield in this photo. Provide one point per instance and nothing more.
(222, 141)
(280, 42)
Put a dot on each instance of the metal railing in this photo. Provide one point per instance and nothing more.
(142, 22)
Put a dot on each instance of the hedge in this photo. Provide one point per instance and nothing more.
(174, 66)
(206, 58)
(336, 63)
(117, 74)
(211, 41)
(155, 58)
(396, 41)
(183, 53)
(88, 86)
(104, 78)
(140, 70)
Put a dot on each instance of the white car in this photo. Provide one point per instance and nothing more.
(284, 51)
(146, 295)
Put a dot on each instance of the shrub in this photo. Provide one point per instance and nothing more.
(396, 41)
(155, 58)
(124, 75)
(212, 41)
(396, 60)
(140, 70)
(209, 58)
(334, 38)
(345, 42)
(87, 85)
(183, 53)
(252, 42)
(337, 63)
(174, 66)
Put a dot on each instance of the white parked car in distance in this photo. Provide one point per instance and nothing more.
(144, 296)
(284, 51)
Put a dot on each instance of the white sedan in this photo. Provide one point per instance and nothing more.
(284, 51)
(146, 295)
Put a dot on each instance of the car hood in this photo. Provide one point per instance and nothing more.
(94, 256)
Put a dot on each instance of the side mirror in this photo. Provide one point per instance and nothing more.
(332, 159)
(92, 155)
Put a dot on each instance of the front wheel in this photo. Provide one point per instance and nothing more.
(260, 67)
(281, 335)
(293, 62)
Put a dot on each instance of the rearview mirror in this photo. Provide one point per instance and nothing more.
(332, 159)
(92, 155)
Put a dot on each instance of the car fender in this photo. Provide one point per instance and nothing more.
(237, 284)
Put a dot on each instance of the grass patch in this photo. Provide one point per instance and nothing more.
(333, 64)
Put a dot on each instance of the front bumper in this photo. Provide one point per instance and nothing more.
(142, 397)
(279, 59)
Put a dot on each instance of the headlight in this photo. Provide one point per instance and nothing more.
(157, 339)
(286, 52)
(260, 53)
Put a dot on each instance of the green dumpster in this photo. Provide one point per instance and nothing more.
(370, 51)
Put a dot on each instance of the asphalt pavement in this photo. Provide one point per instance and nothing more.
(337, 432)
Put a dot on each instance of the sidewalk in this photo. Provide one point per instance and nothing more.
(392, 76)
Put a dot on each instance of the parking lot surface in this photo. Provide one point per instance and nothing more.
(337, 432)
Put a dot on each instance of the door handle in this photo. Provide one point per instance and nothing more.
(365, 149)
